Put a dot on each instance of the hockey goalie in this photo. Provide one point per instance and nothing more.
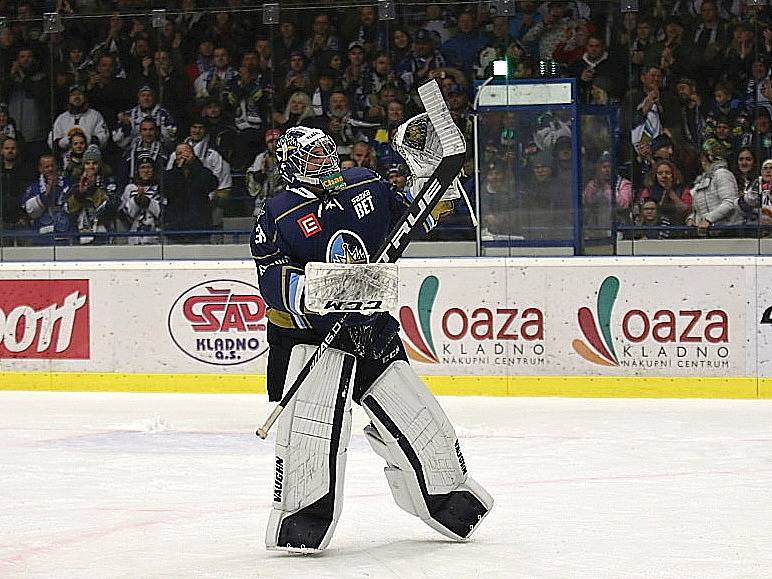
(312, 245)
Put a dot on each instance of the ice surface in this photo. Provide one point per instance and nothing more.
(166, 485)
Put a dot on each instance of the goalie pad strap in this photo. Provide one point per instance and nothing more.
(311, 443)
(426, 472)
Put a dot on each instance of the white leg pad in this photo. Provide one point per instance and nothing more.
(311, 441)
(426, 470)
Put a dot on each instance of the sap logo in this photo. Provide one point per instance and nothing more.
(278, 481)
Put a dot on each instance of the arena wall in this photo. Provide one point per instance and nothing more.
(612, 327)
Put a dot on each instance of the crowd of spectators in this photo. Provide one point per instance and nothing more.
(126, 122)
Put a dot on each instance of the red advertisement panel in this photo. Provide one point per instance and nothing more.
(44, 319)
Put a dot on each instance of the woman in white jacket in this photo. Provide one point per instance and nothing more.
(714, 195)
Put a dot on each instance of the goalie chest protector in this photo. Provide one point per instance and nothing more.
(347, 227)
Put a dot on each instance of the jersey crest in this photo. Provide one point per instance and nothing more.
(346, 247)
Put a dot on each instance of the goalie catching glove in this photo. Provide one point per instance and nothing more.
(418, 143)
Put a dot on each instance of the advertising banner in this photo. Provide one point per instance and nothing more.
(494, 318)
(575, 318)
(44, 319)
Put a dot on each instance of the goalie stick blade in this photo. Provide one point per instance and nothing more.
(450, 136)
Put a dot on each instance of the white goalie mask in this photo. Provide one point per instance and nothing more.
(306, 156)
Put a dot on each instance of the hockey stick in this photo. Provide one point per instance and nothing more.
(453, 151)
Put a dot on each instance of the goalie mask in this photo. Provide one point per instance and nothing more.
(308, 156)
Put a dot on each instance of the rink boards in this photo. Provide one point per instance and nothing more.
(612, 327)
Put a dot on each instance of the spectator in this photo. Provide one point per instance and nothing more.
(400, 45)
(649, 218)
(722, 132)
(199, 142)
(422, 58)
(93, 200)
(378, 75)
(397, 176)
(26, 90)
(203, 62)
(72, 160)
(362, 154)
(377, 104)
(714, 195)
(438, 21)
(369, 31)
(220, 81)
(757, 88)
(224, 136)
(645, 108)
(354, 73)
(253, 99)
(525, 18)
(499, 37)
(572, 46)
(80, 117)
(644, 40)
(595, 64)
(548, 33)
(324, 85)
(298, 109)
(171, 86)
(263, 177)
(664, 186)
(543, 212)
(129, 121)
(288, 42)
(44, 198)
(298, 77)
(462, 50)
(688, 132)
(606, 192)
(8, 126)
(672, 55)
(146, 144)
(709, 41)
(106, 92)
(142, 203)
(756, 201)
(14, 178)
(739, 56)
(723, 103)
(339, 123)
(761, 139)
(75, 67)
(188, 184)
(746, 169)
(498, 206)
(321, 38)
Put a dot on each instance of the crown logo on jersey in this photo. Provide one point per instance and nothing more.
(346, 247)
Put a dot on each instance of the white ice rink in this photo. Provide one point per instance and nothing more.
(164, 485)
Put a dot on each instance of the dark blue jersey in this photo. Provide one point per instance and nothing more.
(296, 227)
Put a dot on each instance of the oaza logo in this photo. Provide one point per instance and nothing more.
(471, 330)
(638, 326)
